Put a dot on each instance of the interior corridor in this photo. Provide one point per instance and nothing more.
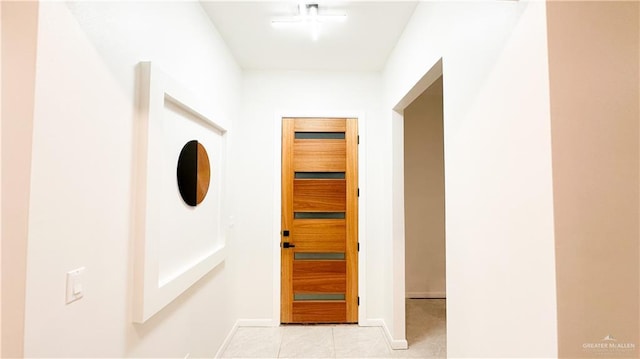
(426, 333)
(102, 258)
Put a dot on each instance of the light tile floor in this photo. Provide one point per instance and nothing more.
(426, 334)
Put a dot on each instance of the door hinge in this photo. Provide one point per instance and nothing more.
(358, 139)
(358, 192)
(358, 300)
(358, 246)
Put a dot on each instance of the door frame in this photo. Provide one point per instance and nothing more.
(277, 201)
(398, 233)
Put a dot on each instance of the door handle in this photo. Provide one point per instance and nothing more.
(287, 245)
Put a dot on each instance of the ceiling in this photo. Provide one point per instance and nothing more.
(361, 43)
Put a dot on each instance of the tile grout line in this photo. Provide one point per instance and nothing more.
(281, 340)
(333, 342)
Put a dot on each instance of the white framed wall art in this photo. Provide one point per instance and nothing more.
(178, 237)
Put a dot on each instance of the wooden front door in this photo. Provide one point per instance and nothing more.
(319, 238)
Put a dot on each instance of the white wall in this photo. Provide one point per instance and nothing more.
(424, 195)
(256, 161)
(19, 39)
(1, 187)
(81, 184)
(499, 205)
(594, 121)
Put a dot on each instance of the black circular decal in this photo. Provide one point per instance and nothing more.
(194, 173)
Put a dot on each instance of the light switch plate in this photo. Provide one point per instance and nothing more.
(75, 289)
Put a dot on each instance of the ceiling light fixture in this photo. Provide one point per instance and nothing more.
(308, 15)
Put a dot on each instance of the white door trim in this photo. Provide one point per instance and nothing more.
(398, 329)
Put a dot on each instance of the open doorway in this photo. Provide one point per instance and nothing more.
(424, 203)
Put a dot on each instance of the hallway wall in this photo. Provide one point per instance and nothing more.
(424, 195)
(256, 160)
(499, 213)
(594, 54)
(19, 40)
(82, 175)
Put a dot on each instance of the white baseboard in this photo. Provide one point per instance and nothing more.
(257, 323)
(227, 340)
(395, 344)
(426, 295)
(244, 323)
(371, 323)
